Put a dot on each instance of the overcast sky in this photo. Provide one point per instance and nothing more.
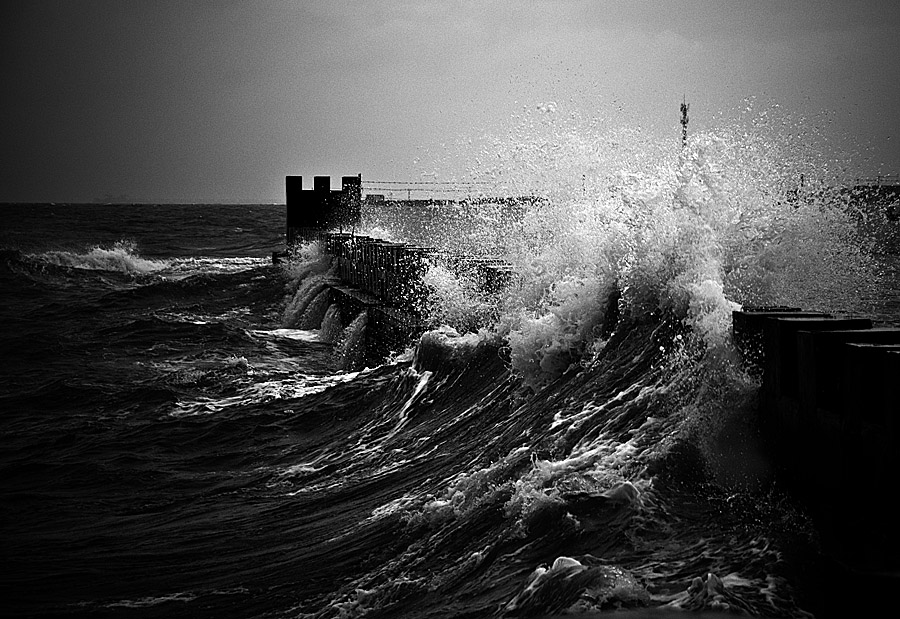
(201, 101)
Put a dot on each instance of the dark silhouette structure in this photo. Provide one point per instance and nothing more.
(828, 415)
(312, 211)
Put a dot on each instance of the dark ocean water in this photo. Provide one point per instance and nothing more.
(173, 445)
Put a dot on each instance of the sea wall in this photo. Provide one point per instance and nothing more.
(384, 279)
(829, 408)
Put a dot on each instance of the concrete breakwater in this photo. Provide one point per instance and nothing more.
(379, 279)
(386, 281)
(829, 415)
(382, 279)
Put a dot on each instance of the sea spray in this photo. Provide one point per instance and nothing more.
(331, 326)
(304, 260)
(306, 272)
(351, 350)
(300, 300)
(315, 310)
(455, 301)
(696, 232)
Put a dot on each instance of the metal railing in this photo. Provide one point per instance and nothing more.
(881, 179)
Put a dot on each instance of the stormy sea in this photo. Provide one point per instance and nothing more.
(187, 433)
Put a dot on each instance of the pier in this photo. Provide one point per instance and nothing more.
(382, 278)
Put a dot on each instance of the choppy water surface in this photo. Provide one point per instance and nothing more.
(186, 433)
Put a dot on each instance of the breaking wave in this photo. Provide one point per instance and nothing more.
(618, 227)
(121, 257)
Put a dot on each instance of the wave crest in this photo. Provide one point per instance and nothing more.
(122, 257)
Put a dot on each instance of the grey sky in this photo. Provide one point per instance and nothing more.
(217, 101)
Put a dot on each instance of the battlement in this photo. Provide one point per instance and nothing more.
(310, 211)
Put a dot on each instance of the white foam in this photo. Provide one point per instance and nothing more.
(296, 387)
(299, 335)
(146, 602)
(121, 257)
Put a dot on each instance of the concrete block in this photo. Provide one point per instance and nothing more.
(821, 363)
(817, 458)
(869, 454)
(747, 331)
(779, 408)
(781, 350)
(871, 386)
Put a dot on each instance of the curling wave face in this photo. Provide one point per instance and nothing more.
(593, 494)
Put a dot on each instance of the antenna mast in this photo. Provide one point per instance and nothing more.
(684, 120)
